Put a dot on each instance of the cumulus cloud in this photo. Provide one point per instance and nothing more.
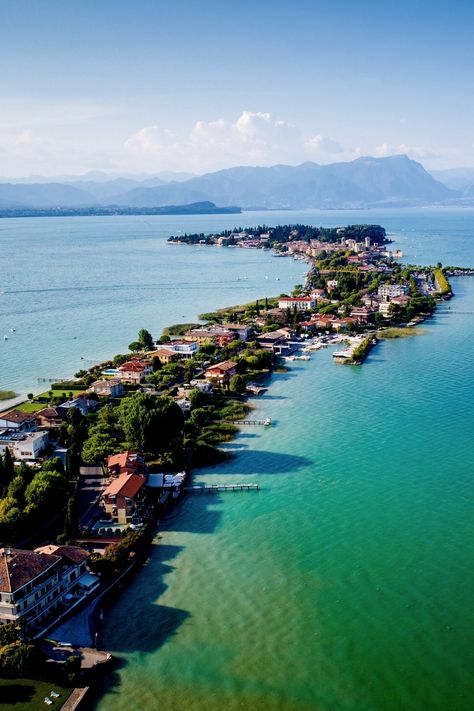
(323, 144)
(254, 138)
(416, 152)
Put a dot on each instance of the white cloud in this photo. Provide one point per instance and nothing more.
(323, 144)
(254, 138)
(415, 152)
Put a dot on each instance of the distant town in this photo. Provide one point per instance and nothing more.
(88, 467)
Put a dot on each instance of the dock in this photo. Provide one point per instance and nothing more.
(266, 422)
(216, 488)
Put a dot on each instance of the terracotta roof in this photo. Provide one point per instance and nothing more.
(164, 352)
(125, 485)
(225, 365)
(126, 458)
(72, 553)
(53, 412)
(19, 567)
(133, 366)
(17, 416)
(295, 298)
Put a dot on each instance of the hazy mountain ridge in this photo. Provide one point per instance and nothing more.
(365, 182)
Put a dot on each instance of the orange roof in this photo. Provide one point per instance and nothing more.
(125, 485)
(125, 458)
(225, 365)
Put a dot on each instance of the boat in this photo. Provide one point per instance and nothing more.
(289, 357)
(342, 355)
(267, 422)
(301, 357)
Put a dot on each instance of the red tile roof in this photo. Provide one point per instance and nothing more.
(224, 366)
(19, 567)
(124, 459)
(125, 485)
(74, 554)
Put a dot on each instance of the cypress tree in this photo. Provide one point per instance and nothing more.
(3, 484)
(8, 468)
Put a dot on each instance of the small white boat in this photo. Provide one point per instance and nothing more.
(12, 330)
(302, 357)
(267, 422)
(5, 338)
(289, 357)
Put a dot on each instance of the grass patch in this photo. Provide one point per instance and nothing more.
(7, 394)
(31, 406)
(29, 694)
(179, 329)
(399, 332)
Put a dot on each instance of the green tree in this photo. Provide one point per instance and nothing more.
(97, 447)
(146, 339)
(46, 490)
(237, 384)
(150, 423)
(8, 472)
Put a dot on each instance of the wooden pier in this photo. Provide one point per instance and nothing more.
(266, 422)
(217, 488)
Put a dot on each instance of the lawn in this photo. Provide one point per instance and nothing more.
(29, 694)
(31, 406)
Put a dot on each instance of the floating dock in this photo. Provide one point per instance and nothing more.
(266, 422)
(216, 488)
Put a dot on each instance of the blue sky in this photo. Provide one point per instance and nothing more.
(147, 86)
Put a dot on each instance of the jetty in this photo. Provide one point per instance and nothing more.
(266, 422)
(216, 488)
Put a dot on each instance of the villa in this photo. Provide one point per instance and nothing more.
(300, 303)
(122, 498)
(221, 373)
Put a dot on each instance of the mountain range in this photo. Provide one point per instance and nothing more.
(364, 182)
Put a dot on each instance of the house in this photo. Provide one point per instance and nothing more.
(300, 303)
(361, 314)
(75, 579)
(203, 385)
(165, 355)
(83, 403)
(274, 341)
(17, 420)
(135, 371)
(324, 320)
(35, 585)
(214, 334)
(51, 417)
(29, 586)
(24, 446)
(126, 463)
(185, 349)
(240, 330)
(221, 373)
(123, 497)
(108, 388)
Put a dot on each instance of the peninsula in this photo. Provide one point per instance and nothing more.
(88, 467)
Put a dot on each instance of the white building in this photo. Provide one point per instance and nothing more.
(301, 303)
(389, 291)
(24, 446)
(185, 349)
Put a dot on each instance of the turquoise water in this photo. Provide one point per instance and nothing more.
(346, 582)
(81, 287)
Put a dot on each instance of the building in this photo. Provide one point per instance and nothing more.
(300, 303)
(126, 463)
(185, 349)
(389, 291)
(123, 497)
(75, 579)
(361, 314)
(24, 446)
(221, 373)
(17, 420)
(51, 417)
(108, 388)
(134, 372)
(214, 334)
(240, 330)
(36, 585)
(275, 341)
(83, 403)
(165, 355)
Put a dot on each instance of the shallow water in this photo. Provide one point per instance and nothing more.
(346, 582)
